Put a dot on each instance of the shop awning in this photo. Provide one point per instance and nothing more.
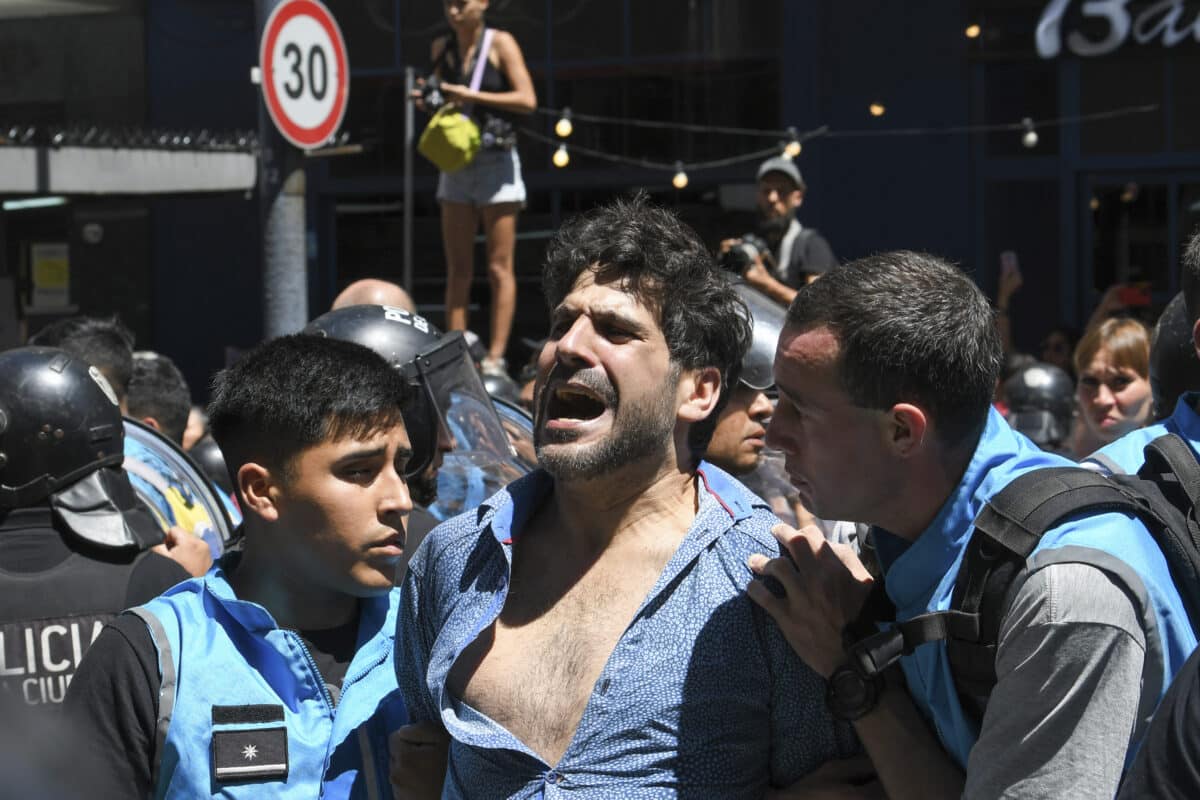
(101, 170)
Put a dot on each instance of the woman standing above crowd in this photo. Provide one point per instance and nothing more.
(489, 190)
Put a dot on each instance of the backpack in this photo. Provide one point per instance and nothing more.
(1163, 495)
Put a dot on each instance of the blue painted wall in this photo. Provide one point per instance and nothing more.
(204, 248)
(871, 194)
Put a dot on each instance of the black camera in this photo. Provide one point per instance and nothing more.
(739, 257)
(431, 93)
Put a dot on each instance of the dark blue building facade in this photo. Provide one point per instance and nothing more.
(1097, 201)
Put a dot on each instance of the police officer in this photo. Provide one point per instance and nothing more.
(1041, 405)
(74, 539)
(738, 444)
(456, 434)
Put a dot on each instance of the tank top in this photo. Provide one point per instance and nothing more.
(493, 80)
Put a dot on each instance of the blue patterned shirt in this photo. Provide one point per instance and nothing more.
(701, 697)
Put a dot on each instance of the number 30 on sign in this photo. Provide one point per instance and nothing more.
(305, 72)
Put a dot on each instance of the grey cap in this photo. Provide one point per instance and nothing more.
(784, 165)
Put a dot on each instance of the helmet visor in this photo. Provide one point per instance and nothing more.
(174, 488)
(450, 411)
(767, 318)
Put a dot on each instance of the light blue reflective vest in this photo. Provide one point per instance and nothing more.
(243, 711)
(920, 577)
(1127, 454)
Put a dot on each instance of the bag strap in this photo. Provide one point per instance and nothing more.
(1171, 453)
(1007, 531)
(485, 44)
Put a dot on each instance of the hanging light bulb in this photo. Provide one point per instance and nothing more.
(564, 127)
(681, 179)
(561, 157)
(973, 31)
(1030, 138)
(792, 148)
(877, 109)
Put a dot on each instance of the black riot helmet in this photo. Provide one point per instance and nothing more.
(1041, 404)
(768, 319)
(449, 402)
(59, 422)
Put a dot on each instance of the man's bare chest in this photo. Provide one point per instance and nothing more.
(533, 670)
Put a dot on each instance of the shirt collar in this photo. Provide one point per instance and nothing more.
(508, 511)
(1185, 416)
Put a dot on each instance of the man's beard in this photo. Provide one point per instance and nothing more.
(638, 431)
(773, 228)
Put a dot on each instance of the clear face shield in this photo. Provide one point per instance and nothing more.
(174, 488)
(455, 430)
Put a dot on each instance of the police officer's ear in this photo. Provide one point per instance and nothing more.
(1196, 336)
(907, 427)
(258, 489)
(699, 391)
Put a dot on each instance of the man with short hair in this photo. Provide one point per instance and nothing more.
(159, 395)
(271, 676)
(885, 373)
(586, 629)
(797, 255)
(741, 431)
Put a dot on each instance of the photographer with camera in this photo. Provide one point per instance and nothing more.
(782, 255)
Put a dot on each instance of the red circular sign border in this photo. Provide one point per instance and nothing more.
(304, 138)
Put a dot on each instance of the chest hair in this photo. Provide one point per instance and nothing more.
(534, 669)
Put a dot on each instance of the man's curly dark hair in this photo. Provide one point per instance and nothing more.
(662, 262)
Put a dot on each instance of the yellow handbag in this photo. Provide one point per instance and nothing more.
(451, 139)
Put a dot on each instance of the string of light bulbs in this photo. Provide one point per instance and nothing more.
(791, 145)
(562, 157)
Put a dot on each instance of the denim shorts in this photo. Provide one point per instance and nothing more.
(494, 176)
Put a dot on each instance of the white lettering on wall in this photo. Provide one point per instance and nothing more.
(1162, 20)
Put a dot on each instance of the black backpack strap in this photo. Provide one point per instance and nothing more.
(1170, 479)
(1171, 454)
(1007, 531)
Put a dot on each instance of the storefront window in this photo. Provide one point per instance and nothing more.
(1123, 79)
(1129, 234)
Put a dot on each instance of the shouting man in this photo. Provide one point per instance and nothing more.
(586, 628)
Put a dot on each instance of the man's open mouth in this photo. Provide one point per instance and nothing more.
(574, 402)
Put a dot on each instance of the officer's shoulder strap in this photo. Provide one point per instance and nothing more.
(167, 684)
(1007, 531)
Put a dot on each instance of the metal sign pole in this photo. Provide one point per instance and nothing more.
(410, 83)
(281, 204)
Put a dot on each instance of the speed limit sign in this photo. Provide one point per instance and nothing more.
(305, 72)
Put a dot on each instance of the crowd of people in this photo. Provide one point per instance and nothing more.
(770, 526)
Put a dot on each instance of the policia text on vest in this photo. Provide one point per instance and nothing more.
(39, 658)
